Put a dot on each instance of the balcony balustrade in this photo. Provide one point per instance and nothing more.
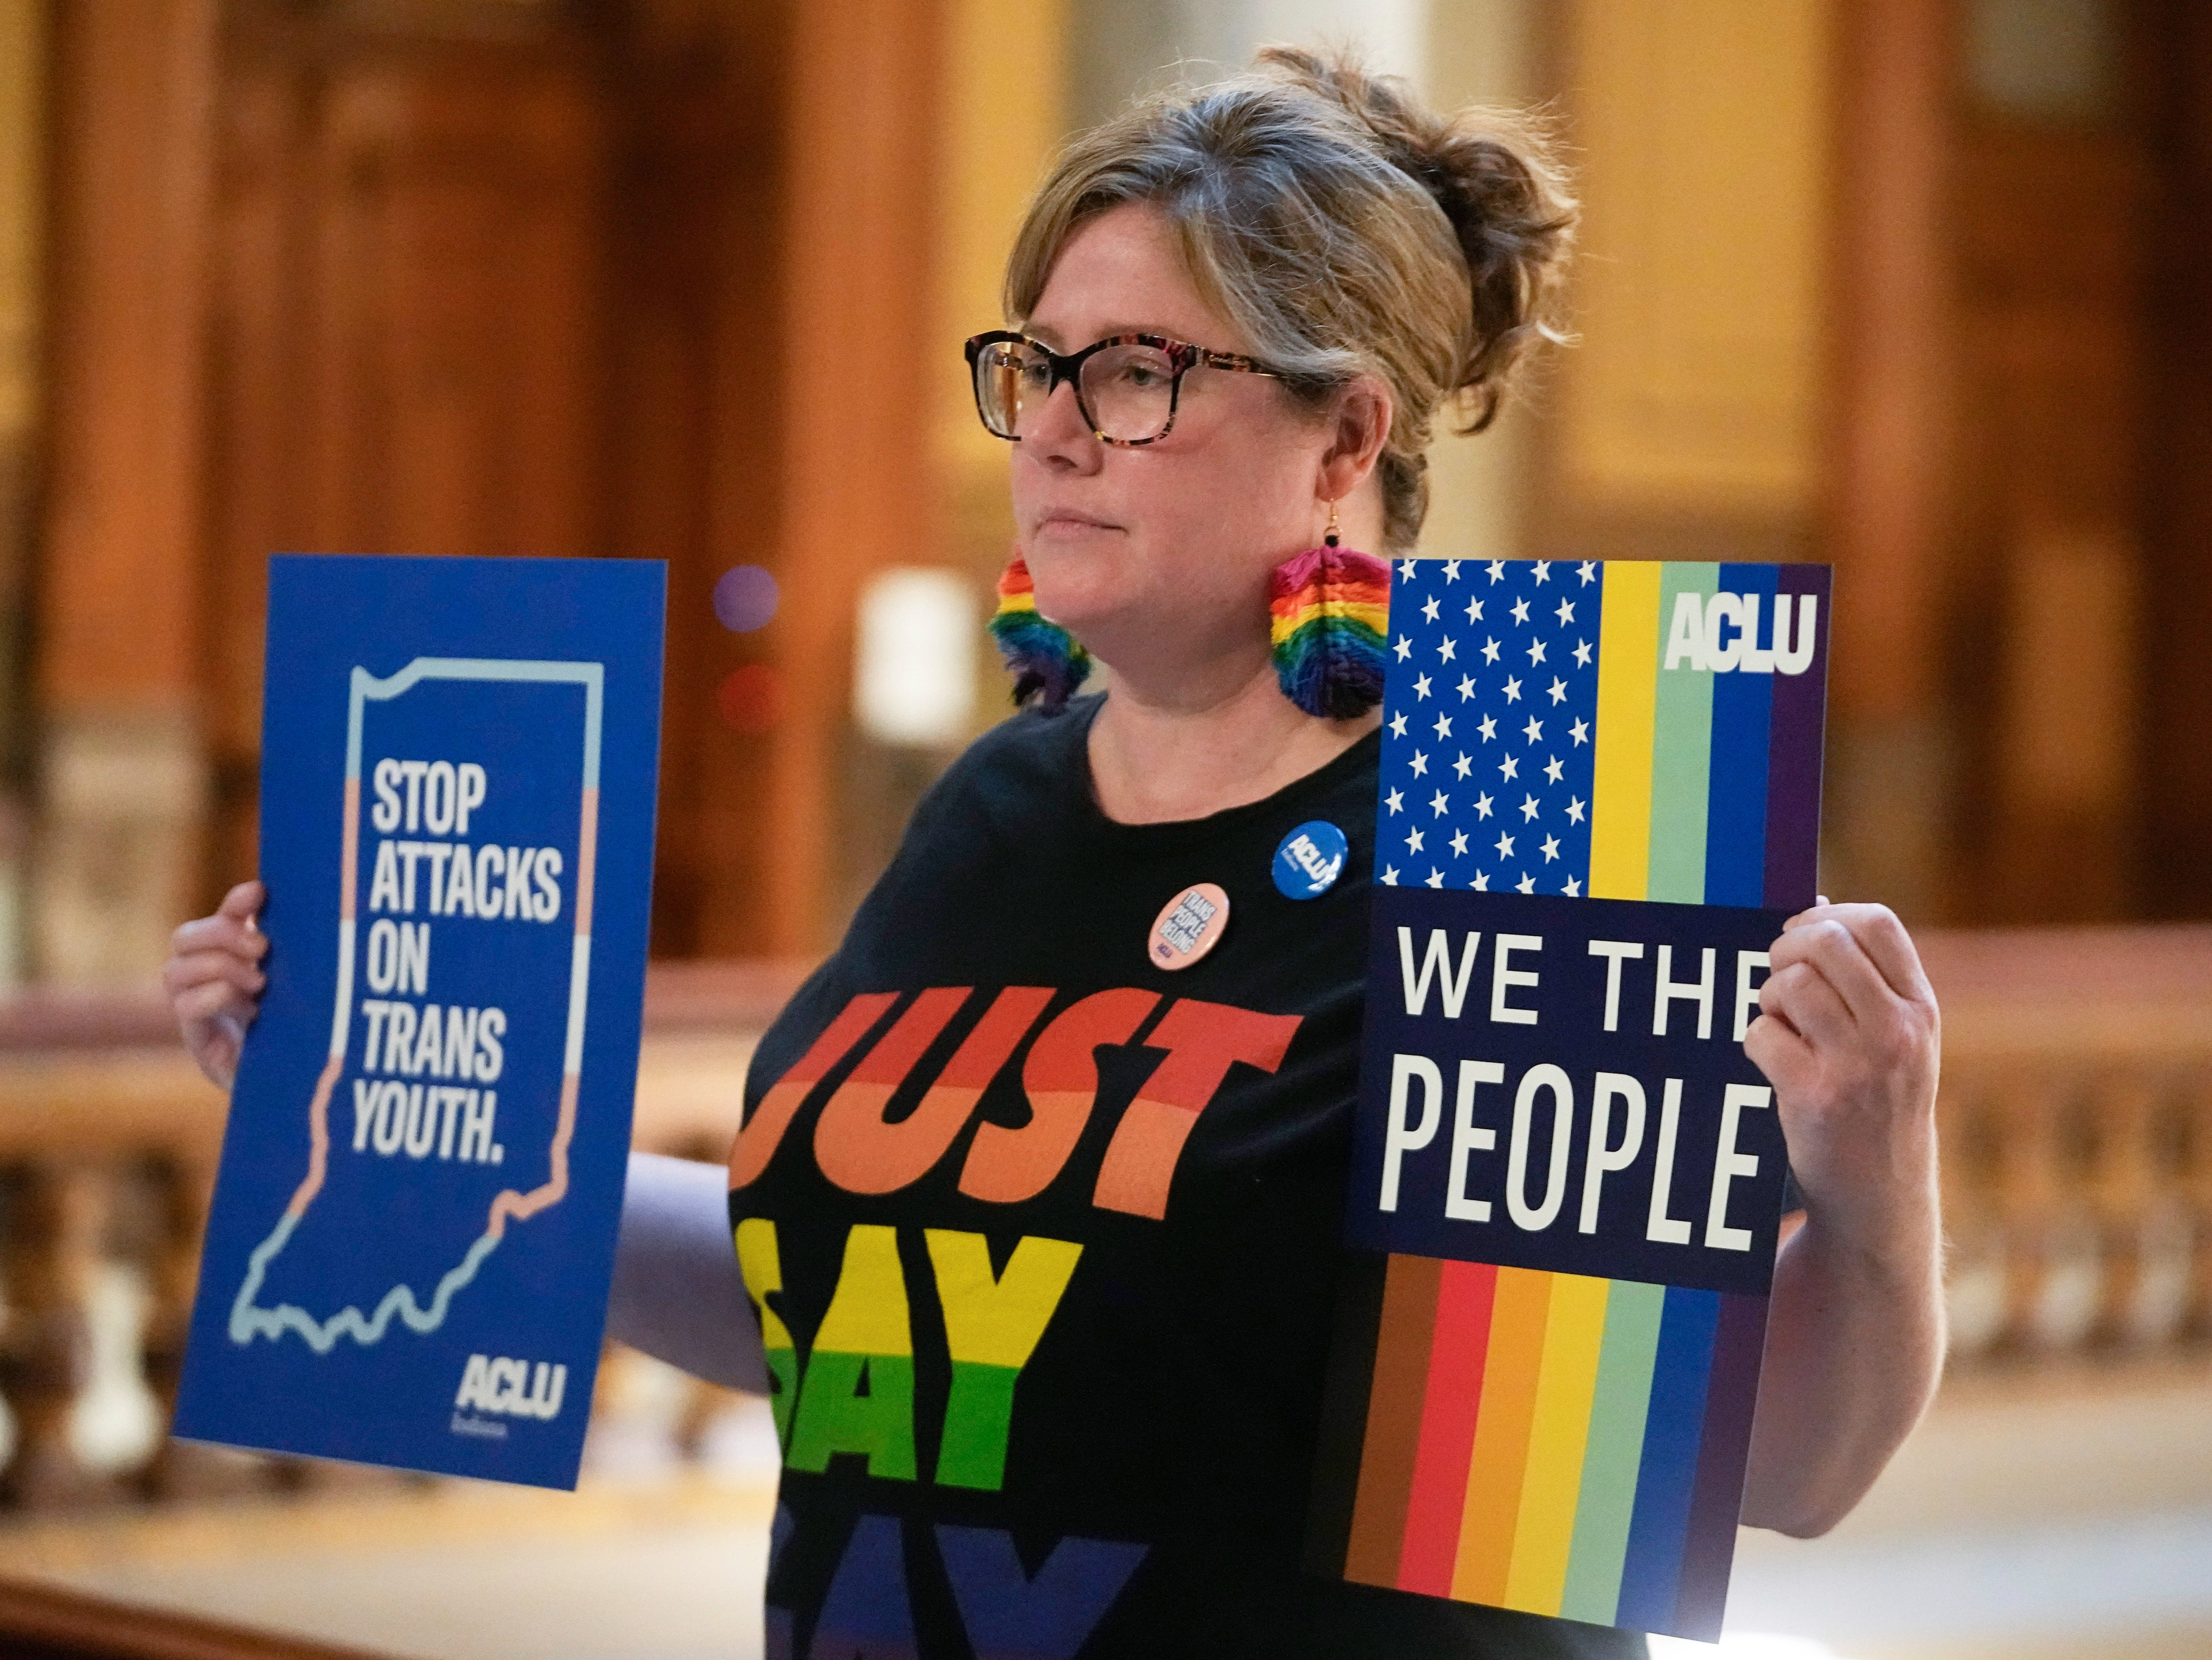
(2075, 1116)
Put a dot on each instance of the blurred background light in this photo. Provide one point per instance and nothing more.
(914, 680)
(750, 699)
(744, 599)
(2048, 60)
(1743, 1645)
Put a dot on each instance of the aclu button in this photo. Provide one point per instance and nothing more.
(1310, 860)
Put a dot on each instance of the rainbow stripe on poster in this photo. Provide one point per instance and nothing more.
(1552, 1443)
(1707, 786)
(1615, 730)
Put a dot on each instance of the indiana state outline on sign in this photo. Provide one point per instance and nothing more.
(425, 1080)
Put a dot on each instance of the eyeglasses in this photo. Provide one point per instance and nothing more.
(1127, 385)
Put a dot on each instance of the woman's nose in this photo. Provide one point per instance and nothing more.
(1057, 427)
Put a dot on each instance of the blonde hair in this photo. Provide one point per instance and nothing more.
(1345, 229)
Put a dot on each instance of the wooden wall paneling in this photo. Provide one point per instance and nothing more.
(857, 487)
(258, 425)
(407, 317)
(23, 111)
(22, 211)
(1886, 492)
(2047, 561)
(1006, 92)
(653, 281)
(133, 97)
(134, 84)
(1692, 399)
(459, 198)
(1505, 54)
(696, 243)
(2174, 71)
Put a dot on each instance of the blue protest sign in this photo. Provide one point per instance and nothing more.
(413, 1229)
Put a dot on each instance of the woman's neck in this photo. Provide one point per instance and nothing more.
(1153, 764)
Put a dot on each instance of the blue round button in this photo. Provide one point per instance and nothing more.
(1310, 860)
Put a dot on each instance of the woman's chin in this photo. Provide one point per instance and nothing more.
(1079, 592)
(1092, 624)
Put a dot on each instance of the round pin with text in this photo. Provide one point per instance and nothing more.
(1190, 925)
(1310, 860)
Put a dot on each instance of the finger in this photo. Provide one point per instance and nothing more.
(189, 968)
(1779, 1050)
(1881, 941)
(219, 932)
(204, 1004)
(1889, 948)
(215, 1046)
(1819, 910)
(242, 901)
(1800, 994)
(1882, 938)
(1830, 946)
(182, 974)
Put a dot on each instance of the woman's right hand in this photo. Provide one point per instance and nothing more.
(214, 980)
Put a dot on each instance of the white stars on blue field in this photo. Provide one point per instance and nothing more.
(1491, 791)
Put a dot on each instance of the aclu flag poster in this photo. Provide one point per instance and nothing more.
(414, 1221)
(1600, 796)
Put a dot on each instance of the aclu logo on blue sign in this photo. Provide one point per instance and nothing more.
(508, 1388)
(1310, 860)
(1718, 634)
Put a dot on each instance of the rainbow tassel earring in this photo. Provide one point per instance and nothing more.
(1044, 658)
(1330, 608)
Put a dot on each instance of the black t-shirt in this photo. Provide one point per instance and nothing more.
(1048, 1238)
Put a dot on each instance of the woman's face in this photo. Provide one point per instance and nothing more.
(1157, 557)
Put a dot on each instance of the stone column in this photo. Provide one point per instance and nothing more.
(1485, 51)
(121, 777)
(1891, 321)
(23, 205)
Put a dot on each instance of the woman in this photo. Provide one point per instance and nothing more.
(1046, 1339)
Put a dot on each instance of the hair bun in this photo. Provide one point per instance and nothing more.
(1506, 198)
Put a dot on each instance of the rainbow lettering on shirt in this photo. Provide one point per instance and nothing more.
(864, 1146)
(855, 1391)
(991, 1325)
(865, 1338)
(761, 1265)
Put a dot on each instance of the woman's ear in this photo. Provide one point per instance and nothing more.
(1359, 428)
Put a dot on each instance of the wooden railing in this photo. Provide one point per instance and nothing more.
(2077, 1127)
(48, 1622)
(2076, 1117)
(109, 1143)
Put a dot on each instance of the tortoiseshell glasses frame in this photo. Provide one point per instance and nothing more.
(1004, 378)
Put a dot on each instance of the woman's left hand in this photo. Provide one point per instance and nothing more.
(1850, 1037)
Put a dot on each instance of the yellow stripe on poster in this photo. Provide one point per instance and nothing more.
(1558, 1431)
(1627, 685)
(1521, 1304)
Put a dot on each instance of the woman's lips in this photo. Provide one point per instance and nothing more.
(1072, 524)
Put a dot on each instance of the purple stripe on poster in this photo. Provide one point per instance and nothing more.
(1793, 754)
(1716, 1500)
